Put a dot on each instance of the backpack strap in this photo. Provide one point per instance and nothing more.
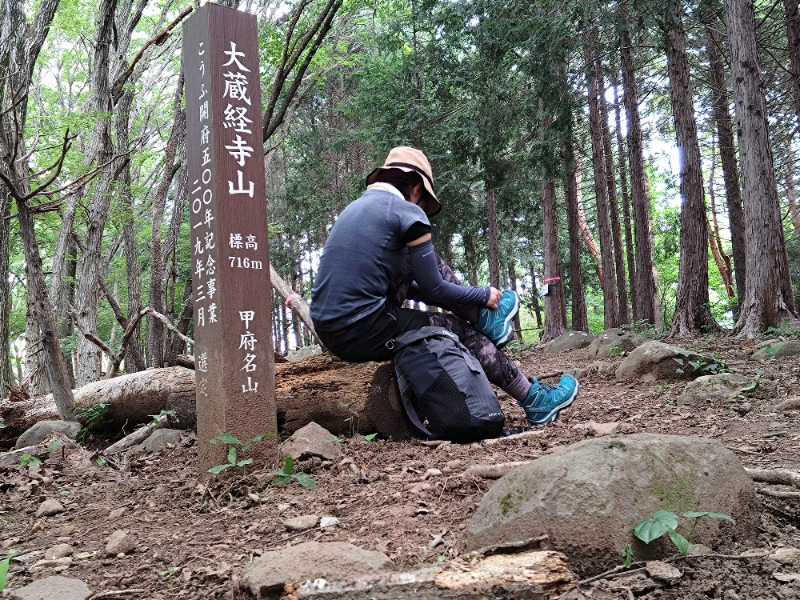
(404, 389)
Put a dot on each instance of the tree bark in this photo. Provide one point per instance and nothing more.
(613, 202)
(580, 318)
(646, 282)
(768, 293)
(727, 144)
(555, 322)
(626, 199)
(6, 374)
(611, 312)
(692, 311)
(793, 49)
(494, 252)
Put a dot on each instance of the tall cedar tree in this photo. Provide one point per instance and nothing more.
(768, 293)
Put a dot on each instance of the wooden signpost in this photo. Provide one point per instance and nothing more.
(234, 358)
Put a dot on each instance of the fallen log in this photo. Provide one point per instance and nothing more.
(319, 388)
(532, 575)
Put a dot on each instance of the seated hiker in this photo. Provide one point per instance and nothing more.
(379, 253)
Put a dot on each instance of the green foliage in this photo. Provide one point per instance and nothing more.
(232, 457)
(701, 365)
(666, 522)
(286, 474)
(92, 418)
(4, 568)
(370, 436)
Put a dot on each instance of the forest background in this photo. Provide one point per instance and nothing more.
(639, 157)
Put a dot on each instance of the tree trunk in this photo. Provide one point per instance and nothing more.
(555, 322)
(494, 252)
(611, 314)
(6, 376)
(101, 150)
(580, 318)
(727, 144)
(134, 361)
(626, 200)
(768, 294)
(471, 258)
(155, 329)
(537, 309)
(646, 281)
(793, 39)
(692, 311)
(613, 202)
(791, 198)
(512, 283)
(722, 260)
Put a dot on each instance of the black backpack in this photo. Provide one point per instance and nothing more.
(442, 383)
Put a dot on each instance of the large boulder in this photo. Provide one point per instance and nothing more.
(614, 342)
(776, 349)
(41, 430)
(569, 340)
(713, 388)
(586, 499)
(266, 575)
(656, 360)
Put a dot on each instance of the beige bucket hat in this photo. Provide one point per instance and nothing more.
(408, 159)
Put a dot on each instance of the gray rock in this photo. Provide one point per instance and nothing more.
(614, 342)
(40, 431)
(656, 360)
(301, 523)
(777, 349)
(49, 588)
(49, 507)
(266, 575)
(158, 440)
(588, 497)
(786, 556)
(312, 440)
(569, 340)
(712, 388)
(304, 352)
(119, 542)
(58, 551)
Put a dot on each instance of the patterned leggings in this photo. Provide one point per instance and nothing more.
(499, 369)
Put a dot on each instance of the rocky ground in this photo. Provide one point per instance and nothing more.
(185, 539)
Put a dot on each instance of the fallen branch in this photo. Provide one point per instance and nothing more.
(12, 458)
(514, 436)
(775, 476)
(778, 493)
(790, 404)
(137, 436)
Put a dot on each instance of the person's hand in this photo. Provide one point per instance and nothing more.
(494, 298)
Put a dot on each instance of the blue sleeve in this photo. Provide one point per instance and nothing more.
(434, 289)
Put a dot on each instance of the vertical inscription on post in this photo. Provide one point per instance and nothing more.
(235, 370)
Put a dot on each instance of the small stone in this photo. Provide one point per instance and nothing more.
(787, 577)
(328, 522)
(119, 542)
(58, 551)
(49, 508)
(699, 549)
(786, 556)
(284, 506)
(55, 586)
(9, 542)
(662, 571)
(743, 408)
(301, 523)
(117, 513)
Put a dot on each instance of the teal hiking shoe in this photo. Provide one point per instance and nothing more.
(544, 401)
(497, 324)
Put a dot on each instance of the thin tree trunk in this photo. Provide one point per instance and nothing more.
(768, 295)
(646, 281)
(583, 226)
(537, 309)
(580, 318)
(626, 199)
(512, 282)
(791, 198)
(555, 322)
(793, 38)
(611, 315)
(692, 312)
(6, 376)
(155, 329)
(471, 258)
(613, 203)
(722, 260)
(494, 253)
(134, 360)
(727, 144)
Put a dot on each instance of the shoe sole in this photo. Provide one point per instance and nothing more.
(509, 317)
(553, 414)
